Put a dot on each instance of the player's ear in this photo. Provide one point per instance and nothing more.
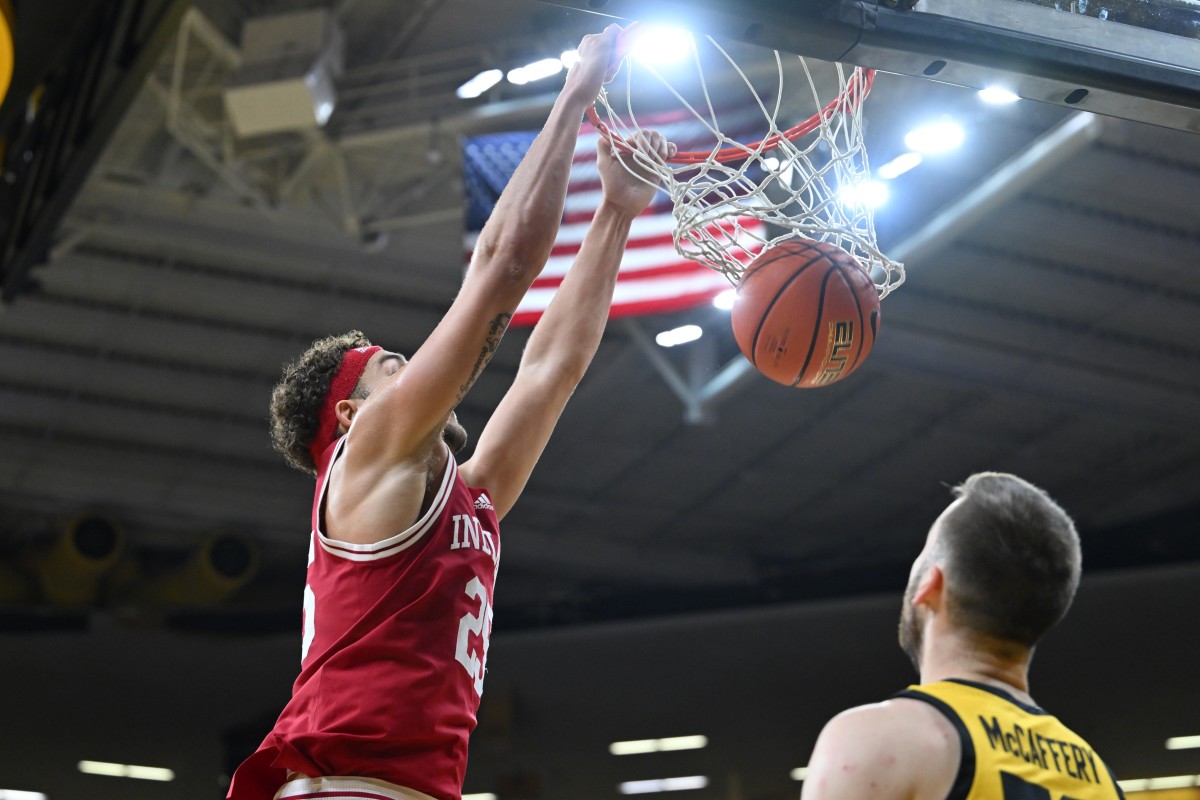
(931, 588)
(345, 411)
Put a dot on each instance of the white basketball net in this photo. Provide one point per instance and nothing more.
(811, 187)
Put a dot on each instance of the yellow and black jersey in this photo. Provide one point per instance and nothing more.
(1014, 751)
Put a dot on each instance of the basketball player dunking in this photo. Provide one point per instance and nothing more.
(405, 542)
(999, 569)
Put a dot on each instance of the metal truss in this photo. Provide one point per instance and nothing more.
(382, 164)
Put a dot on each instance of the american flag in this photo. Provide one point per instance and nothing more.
(653, 278)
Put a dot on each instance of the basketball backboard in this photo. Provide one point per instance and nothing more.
(1134, 59)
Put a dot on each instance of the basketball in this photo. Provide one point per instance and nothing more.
(806, 313)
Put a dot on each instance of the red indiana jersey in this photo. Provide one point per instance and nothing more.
(394, 649)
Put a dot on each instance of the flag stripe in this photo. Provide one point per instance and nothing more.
(639, 297)
(652, 272)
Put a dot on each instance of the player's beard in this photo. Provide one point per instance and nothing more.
(454, 435)
(911, 630)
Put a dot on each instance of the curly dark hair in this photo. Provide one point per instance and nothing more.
(297, 399)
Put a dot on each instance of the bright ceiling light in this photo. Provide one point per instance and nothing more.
(664, 785)
(871, 194)
(997, 95)
(102, 768)
(569, 58)
(479, 84)
(799, 773)
(479, 796)
(680, 335)
(671, 742)
(898, 166)
(683, 743)
(535, 71)
(150, 773)
(655, 45)
(126, 771)
(1154, 784)
(937, 137)
(725, 299)
(324, 112)
(1183, 742)
(17, 794)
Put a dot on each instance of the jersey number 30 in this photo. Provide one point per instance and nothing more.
(480, 624)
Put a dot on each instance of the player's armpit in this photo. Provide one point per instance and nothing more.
(517, 433)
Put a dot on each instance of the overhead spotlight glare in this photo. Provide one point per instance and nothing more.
(997, 95)
(680, 335)
(725, 299)
(479, 84)
(899, 165)
(17, 794)
(656, 45)
(1173, 782)
(1183, 742)
(569, 58)
(535, 71)
(937, 137)
(632, 747)
(324, 112)
(664, 785)
(479, 796)
(683, 743)
(671, 742)
(799, 773)
(870, 194)
(126, 771)
(1154, 784)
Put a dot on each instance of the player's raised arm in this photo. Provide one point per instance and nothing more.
(412, 407)
(566, 337)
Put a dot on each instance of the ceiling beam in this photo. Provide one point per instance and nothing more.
(161, 218)
(1031, 165)
(1085, 63)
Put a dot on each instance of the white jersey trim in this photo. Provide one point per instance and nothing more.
(401, 541)
(347, 788)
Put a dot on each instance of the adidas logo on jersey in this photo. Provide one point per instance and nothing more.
(483, 502)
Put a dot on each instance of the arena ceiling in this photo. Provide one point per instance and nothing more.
(1048, 327)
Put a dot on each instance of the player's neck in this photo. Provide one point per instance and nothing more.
(957, 657)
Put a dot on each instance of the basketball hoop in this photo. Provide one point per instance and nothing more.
(735, 200)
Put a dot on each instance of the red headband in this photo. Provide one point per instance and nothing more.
(344, 380)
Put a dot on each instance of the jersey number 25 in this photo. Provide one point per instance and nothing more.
(480, 624)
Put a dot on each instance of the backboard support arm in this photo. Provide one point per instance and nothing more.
(1065, 59)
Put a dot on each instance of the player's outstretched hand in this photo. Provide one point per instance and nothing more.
(598, 63)
(629, 186)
